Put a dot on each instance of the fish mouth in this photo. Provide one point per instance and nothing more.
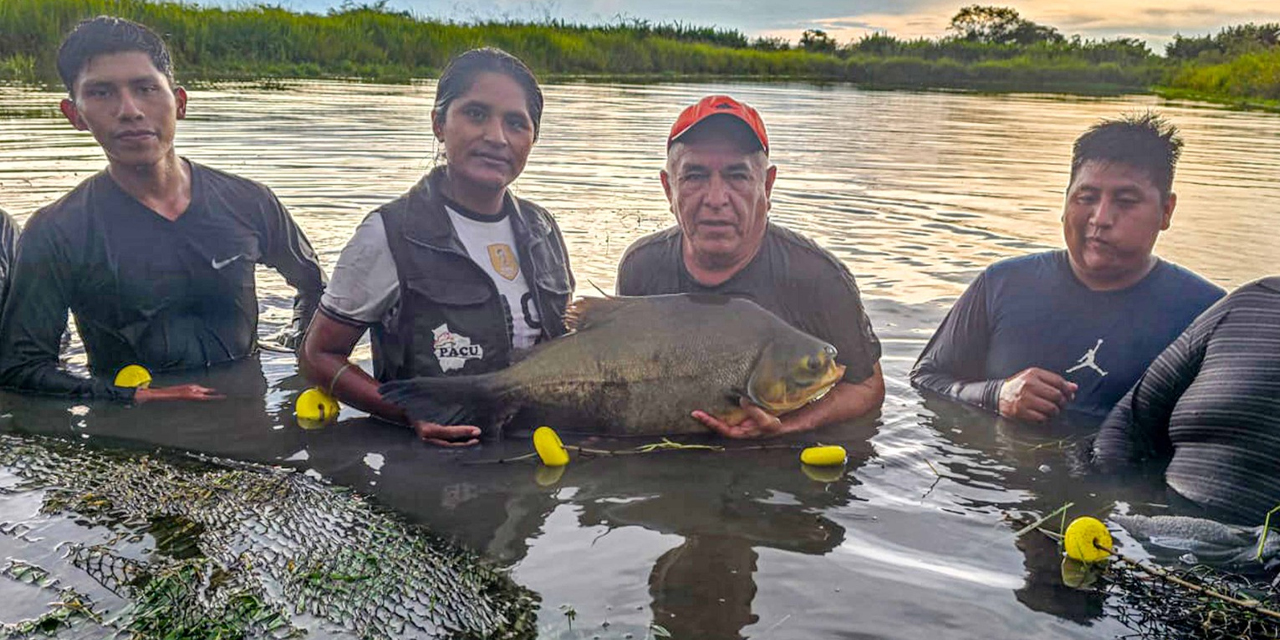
(793, 399)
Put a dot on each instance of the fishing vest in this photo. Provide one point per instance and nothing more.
(451, 320)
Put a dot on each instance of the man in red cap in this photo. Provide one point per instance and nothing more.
(718, 180)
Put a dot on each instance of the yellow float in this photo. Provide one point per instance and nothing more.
(134, 376)
(824, 456)
(550, 450)
(316, 406)
(1087, 540)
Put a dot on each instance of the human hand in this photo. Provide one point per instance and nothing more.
(176, 392)
(758, 423)
(447, 436)
(1035, 395)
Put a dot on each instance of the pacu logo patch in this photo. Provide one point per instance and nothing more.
(453, 350)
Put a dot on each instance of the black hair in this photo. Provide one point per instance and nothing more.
(461, 72)
(106, 34)
(1144, 141)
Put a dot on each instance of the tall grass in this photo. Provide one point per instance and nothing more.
(373, 42)
(1250, 76)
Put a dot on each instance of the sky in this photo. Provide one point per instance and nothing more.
(1154, 21)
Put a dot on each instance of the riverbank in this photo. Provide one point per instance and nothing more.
(374, 43)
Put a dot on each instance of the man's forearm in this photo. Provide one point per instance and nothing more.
(845, 401)
(46, 378)
(982, 393)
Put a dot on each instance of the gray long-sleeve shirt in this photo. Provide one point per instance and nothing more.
(165, 294)
(1210, 406)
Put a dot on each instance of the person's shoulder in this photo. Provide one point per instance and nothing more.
(1031, 263)
(1269, 283)
(225, 182)
(656, 243)
(1268, 286)
(70, 209)
(805, 254)
(1190, 285)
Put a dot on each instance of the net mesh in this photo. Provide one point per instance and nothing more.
(245, 550)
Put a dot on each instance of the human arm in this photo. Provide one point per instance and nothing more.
(954, 362)
(1137, 429)
(325, 360)
(34, 319)
(845, 401)
(289, 252)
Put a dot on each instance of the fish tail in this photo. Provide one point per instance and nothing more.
(450, 400)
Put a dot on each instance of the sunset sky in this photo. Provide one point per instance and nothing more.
(1154, 21)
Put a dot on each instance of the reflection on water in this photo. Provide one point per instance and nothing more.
(916, 192)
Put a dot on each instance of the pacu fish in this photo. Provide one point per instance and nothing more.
(1209, 541)
(640, 366)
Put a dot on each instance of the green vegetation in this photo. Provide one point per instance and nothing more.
(989, 48)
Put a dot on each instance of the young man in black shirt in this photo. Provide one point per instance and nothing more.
(155, 255)
(719, 180)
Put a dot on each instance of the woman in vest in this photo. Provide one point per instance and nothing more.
(457, 275)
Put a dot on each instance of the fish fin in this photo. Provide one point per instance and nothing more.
(600, 291)
(586, 312)
(449, 400)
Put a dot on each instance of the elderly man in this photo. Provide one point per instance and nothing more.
(1072, 330)
(154, 255)
(718, 180)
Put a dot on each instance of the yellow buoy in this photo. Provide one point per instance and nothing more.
(547, 476)
(822, 474)
(133, 376)
(827, 456)
(549, 448)
(1087, 540)
(317, 406)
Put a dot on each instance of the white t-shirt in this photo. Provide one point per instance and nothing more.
(365, 287)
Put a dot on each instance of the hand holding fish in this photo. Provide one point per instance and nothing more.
(447, 436)
(758, 423)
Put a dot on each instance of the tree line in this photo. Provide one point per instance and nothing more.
(986, 47)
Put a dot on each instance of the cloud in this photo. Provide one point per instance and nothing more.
(1152, 20)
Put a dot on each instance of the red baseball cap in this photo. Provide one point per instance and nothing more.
(719, 106)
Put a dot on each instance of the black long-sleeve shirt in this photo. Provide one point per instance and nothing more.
(166, 294)
(1032, 311)
(1210, 405)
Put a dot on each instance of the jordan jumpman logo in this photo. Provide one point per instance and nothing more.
(1089, 360)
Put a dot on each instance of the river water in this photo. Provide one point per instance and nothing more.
(916, 192)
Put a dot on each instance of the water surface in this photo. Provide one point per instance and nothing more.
(916, 192)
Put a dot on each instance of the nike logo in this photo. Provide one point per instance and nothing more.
(219, 264)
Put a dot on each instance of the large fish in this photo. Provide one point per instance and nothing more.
(1200, 540)
(640, 366)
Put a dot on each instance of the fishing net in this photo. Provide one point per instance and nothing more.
(244, 550)
(1157, 608)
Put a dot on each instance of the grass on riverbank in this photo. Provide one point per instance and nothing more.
(376, 43)
(372, 42)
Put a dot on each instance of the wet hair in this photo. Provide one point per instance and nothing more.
(462, 71)
(1144, 141)
(105, 35)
